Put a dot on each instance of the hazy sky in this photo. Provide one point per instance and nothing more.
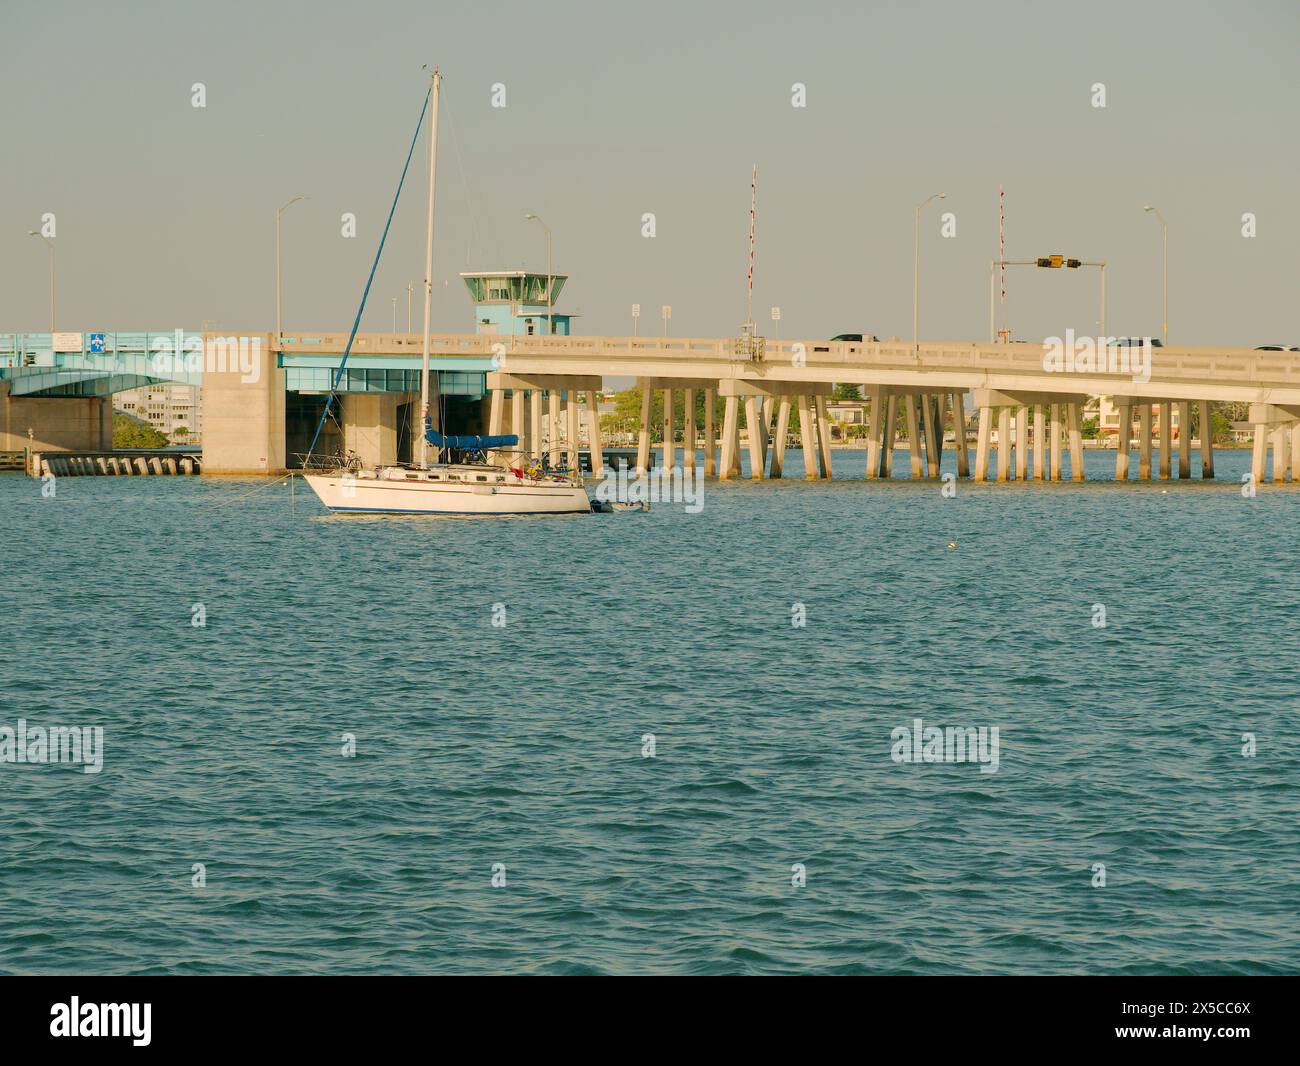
(166, 212)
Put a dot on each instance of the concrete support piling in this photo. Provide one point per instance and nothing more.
(571, 427)
(1259, 454)
(496, 414)
(710, 440)
(1123, 441)
(982, 444)
(1054, 430)
(669, 445)
(535, 400)
(875, 428)
(913, 436)
(890, 434)
(734, 470)
(643, 433)
(933, 434)
(1184, 440)
(754, 428)
(1040, 441)
(807, 439)
(1144, 442)
(959, 435)
(782, 431)
(517, 420)
(553, 427)
(1207, 441)
(1022, 443)
(593, 434)
(823, 437)
(1004, 443)
(1166, 440)
(688, 430)
(1073, 414)
(729, 435)
(766, 427)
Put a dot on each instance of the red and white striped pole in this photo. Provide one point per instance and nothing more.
(1002, 259)
(753, 212)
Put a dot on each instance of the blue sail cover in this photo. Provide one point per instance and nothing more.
(469, 444)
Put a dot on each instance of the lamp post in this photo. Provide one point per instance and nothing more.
(37, 233)
(279, 330)
(550, 281)
(410, 289)
(916, 266)
(1164, 229)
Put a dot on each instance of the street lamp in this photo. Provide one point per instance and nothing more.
(1164, 228)
(279, 330)
(550, 282)
(37, 233)
(916, 265)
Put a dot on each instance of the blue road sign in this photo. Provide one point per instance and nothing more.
(96, 344)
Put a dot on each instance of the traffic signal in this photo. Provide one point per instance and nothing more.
(1074, 264)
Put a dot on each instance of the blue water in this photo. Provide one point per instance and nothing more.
(522, 745)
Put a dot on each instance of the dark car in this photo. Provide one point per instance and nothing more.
(1131, 342)
(856, 338)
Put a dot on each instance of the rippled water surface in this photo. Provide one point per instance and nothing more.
(522, 745)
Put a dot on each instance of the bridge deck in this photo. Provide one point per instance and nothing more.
(1191, 373)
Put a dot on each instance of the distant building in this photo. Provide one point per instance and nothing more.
(1108, 419)
(847, 412)
(167, 408)
(514, 302)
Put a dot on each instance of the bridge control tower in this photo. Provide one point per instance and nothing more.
(515, 303)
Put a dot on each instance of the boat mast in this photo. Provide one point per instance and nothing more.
(428, 279)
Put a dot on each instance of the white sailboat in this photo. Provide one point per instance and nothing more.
(470, 487)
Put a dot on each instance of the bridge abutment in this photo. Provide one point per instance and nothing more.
(57, 423)
(243, 411)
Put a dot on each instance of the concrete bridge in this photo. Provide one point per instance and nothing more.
(1037, 408)
(256, 407)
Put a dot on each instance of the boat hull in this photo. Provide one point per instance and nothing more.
(380, 496)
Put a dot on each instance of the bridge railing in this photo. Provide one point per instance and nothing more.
(1238, 365)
